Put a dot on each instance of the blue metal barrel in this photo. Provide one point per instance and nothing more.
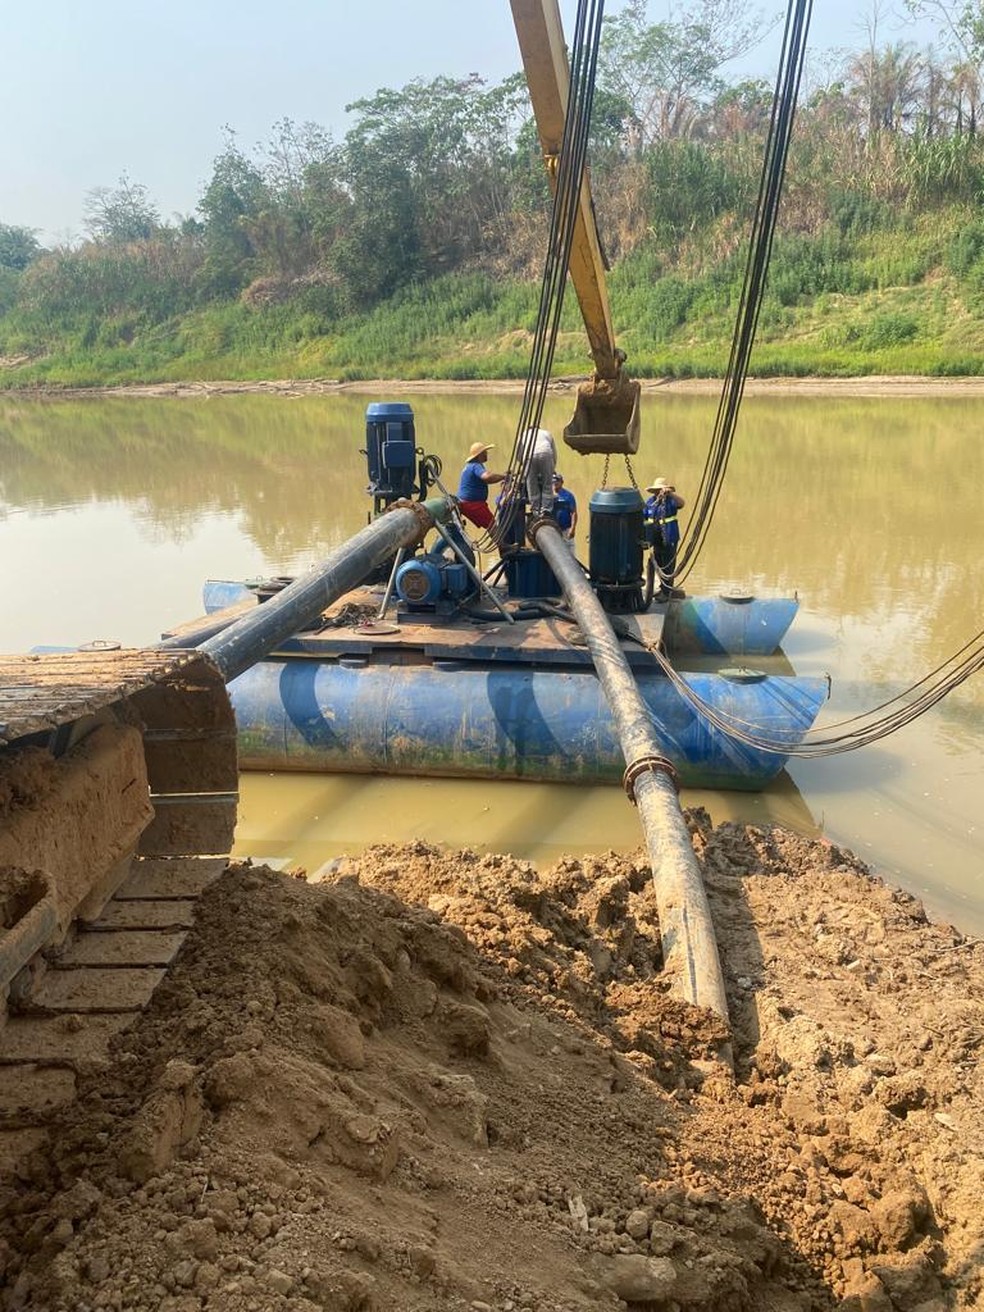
(505, 723)
(735, 625)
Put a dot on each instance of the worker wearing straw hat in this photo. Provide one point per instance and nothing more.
(473, 487)
(661, 511)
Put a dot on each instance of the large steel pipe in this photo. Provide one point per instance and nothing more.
(689, 947)
(298, 605)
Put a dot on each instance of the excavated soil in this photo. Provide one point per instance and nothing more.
(440, 1080)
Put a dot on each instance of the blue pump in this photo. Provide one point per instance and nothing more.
(433, 583)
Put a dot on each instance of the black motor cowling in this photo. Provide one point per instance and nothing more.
(616, 548)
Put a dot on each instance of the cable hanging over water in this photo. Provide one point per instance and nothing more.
(857, 730)
(569, 165)
(786, 93)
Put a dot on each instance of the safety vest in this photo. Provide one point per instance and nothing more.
(650, 512)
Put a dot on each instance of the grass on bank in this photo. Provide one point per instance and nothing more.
(905, 301)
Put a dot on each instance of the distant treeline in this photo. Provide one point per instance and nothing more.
(416, 241)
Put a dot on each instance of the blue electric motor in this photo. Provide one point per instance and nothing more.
(391, 449)
(432, 582)
(616, 547)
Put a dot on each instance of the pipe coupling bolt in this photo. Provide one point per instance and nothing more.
(646, 765)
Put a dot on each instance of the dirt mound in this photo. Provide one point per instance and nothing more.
(440, 1080)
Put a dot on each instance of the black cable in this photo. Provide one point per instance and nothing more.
(567, 191)
(785, 96)
(822, 742)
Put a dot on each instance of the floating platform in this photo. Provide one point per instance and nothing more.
(475, 696)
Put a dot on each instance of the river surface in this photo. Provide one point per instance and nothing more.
(114, 510)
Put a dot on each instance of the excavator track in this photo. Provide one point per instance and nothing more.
(118, 800)
(118, 796)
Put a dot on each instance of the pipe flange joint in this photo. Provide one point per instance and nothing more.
(536, 523)
(649, 764)
(424, 518)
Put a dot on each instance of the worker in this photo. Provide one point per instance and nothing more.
(539, 456)
(473, 487)
(661, 512)
(564, 508)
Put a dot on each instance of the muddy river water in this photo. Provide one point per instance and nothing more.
(114, 510)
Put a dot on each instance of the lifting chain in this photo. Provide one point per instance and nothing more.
(628, 466)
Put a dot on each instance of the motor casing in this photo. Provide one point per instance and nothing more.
(616, 547)
(432, 582)
(391, 449)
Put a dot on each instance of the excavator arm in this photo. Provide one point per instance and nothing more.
(606, 417)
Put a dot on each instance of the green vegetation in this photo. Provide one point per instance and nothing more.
(413, 247)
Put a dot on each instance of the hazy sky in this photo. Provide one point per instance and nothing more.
(90, 91)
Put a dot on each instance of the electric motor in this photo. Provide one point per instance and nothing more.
(616, 546)
(418, 581)
(425, 581)
(391, 447)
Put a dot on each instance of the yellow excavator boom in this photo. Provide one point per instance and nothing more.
(606, 417)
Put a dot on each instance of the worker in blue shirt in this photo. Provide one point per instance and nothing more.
(661, 512)
(564, 508)
(473, 488)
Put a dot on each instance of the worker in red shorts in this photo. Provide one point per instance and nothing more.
(473, 487)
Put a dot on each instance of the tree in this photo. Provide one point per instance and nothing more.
(18, 247)
(888, 84)
(122, 214)
(741, 110)
(667, 73)
(964, 94)
(962, 22)
(428, 168)
(233, 201)
(306, 200)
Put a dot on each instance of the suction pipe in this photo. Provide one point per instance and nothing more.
(261, 630)
(689, 947)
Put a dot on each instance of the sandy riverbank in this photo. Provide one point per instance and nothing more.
(888, 386)
(444, 1081)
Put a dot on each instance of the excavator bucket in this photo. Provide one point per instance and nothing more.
(118, 779)
(606, 417)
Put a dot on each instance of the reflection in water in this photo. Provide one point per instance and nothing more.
(113, 511)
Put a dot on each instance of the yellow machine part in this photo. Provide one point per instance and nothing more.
(606, 417)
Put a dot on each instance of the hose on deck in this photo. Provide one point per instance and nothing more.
(690, 954)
